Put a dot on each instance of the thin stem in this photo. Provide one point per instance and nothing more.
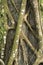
(18, 30)
(38, 61)
(38, 21)
(29, 43)
(30, 26)
(7, 11)
(1, 61)
(25, 53)
(38, 26)
(14, 5)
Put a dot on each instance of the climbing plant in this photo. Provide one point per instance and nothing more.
(21, 32)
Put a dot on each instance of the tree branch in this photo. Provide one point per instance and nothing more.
(7, 11)
(29, 43)
(14, 5)
(18, 30)
(30, 26)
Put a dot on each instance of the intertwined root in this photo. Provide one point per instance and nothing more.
(24, 43)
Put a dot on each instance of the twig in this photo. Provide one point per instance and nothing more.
(29, 43)
(25, 53)
(14, 5)
(7, 11)
(25, 19)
